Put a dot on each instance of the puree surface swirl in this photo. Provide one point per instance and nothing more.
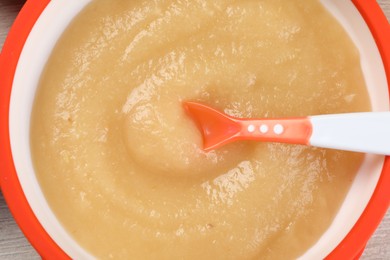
(120, 163)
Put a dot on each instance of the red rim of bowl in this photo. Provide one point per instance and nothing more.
(350, 247)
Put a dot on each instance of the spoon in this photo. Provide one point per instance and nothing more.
(367, 132)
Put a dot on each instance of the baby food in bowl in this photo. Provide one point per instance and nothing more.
(122, 166)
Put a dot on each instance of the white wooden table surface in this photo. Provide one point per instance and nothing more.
(14, 246)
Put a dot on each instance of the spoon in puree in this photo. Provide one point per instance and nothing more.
(367, 132)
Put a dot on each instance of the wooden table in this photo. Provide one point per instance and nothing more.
(13, 244)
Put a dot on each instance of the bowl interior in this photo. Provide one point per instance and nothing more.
(41, 41)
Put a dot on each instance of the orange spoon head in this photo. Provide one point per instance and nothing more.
(217, 128)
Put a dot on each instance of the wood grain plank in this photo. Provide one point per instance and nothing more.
(8, 12)
(14, 246)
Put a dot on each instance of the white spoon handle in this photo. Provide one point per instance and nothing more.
(360, 132)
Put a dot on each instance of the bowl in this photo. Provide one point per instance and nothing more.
(25, 52)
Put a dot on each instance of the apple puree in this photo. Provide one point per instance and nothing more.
(122, 166)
